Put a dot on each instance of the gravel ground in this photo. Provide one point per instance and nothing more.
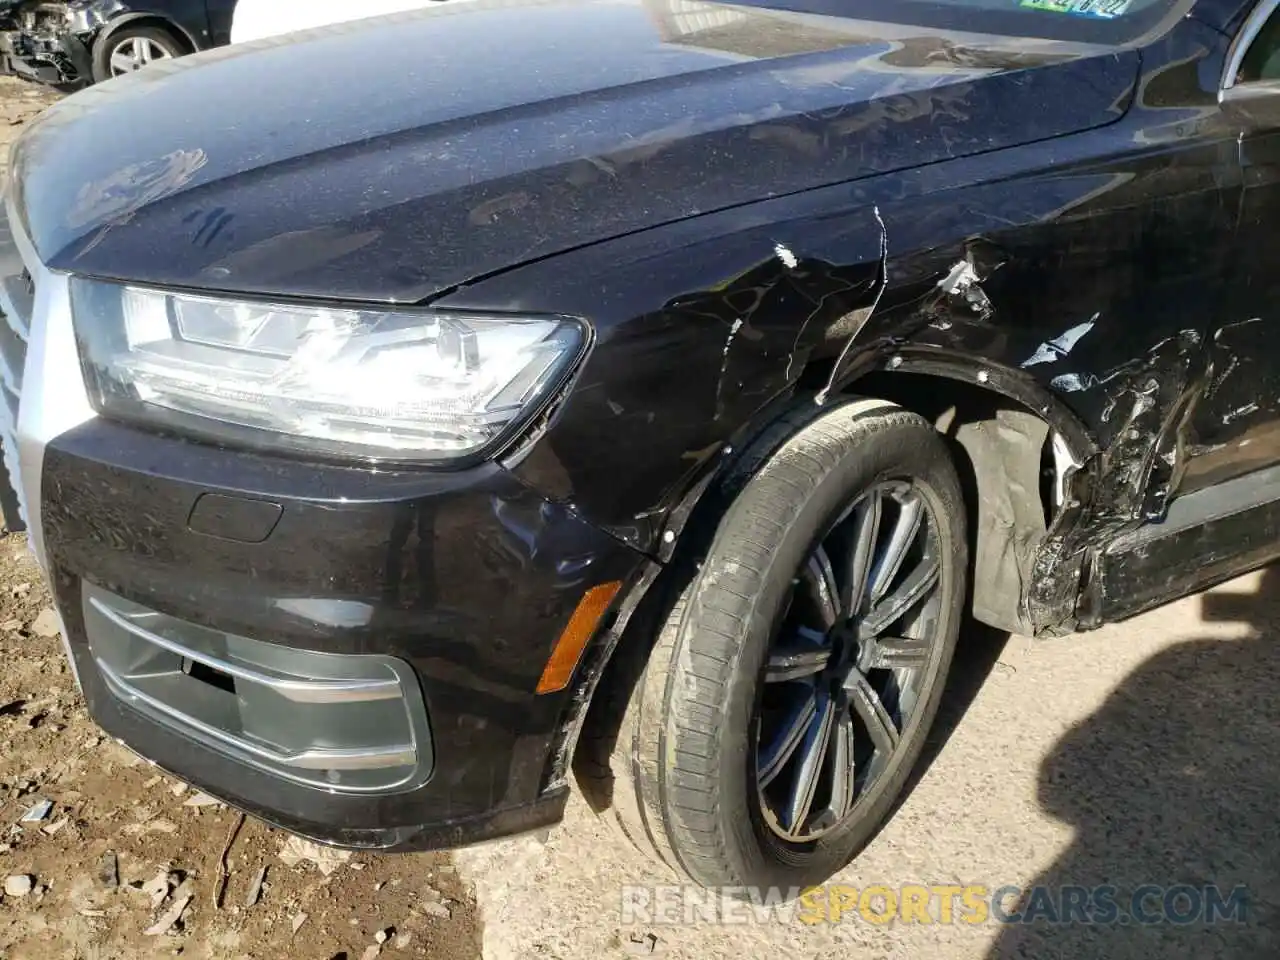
(1141, 753)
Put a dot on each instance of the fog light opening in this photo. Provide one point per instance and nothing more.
(197, 670)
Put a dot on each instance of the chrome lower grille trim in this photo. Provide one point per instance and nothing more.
(41, 385)
(350, 723)
(49, 387)
(295, 689)
(13, 357)
(17, 297)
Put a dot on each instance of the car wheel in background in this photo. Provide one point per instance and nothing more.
(796, 677)
(132, 48)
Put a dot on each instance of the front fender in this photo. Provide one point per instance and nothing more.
(697, 337)
(103, 19)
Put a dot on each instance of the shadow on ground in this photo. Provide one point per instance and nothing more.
(1174, 781)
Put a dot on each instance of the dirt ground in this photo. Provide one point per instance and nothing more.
(19, 102)
(1143, 753)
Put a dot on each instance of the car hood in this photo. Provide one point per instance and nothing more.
(395, 158)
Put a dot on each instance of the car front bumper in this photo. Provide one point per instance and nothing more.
(462, 581)
(57, 59)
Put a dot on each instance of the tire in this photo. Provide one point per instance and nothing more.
(148, 37)
(687, 788)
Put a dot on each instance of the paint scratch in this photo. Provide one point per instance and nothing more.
(733, 332)
(724, 356)
(962, 281)
(789, 259)
(1239, 412)
(1073, 382)
(1062, 345)
(821, 398)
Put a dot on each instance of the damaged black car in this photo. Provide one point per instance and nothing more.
(636, 389)
(68, 44)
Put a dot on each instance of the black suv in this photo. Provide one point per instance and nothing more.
(648, 388)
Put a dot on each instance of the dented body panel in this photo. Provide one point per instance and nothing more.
(1052, 244)
(775, 202)
(1085, 277)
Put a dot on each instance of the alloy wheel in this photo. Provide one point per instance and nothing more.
(134, 54)
(849, 664)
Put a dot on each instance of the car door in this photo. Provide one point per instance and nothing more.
(1224, 516)
(1235, 429)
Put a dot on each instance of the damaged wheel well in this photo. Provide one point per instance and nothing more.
(1014, 485)
(1011, 475)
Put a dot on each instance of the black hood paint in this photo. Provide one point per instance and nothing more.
(395, 158)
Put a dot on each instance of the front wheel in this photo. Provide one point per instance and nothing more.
(796, 677)
(132, 48)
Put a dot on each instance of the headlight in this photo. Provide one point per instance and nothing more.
(394, 384)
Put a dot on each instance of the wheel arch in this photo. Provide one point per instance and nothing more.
(985, 422)
(1021, 458)
(139, 19)
(1002, 426)
(993, 377)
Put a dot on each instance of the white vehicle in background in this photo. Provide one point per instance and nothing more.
(257, 19)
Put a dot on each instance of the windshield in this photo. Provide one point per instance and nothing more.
(1112, 22)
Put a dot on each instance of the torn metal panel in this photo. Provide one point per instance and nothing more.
(1134, 479)
(1236, 427)
(1147, 403)
(961, 288)
(1065, 275)
(965, 283)
(1011, 522)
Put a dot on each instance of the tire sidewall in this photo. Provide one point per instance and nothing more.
(865, 457)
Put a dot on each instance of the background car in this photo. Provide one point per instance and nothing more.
(83, 41)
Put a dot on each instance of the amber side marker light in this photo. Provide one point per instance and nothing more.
(568, 649)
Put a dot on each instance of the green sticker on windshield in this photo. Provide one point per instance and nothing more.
(1103, 9)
